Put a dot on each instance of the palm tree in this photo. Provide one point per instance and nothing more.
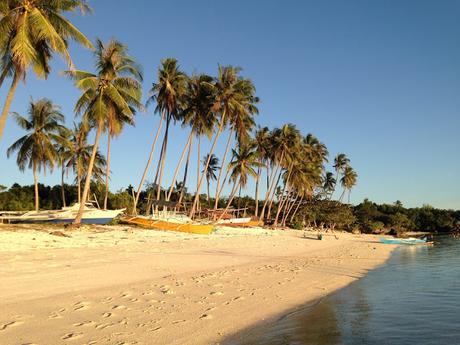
(243, 165)
(340, 162)
(114, 61)
(232, 93)
(261, 139)
(210, 171)
(104, 93)
(64, 153)
(80, 153)
(30, 31)
(168, 93)
(197, 115)
(348, 181)
(329, 183)
(36, 150)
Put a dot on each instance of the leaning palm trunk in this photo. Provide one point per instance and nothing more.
(211, 151)
(9, 99)
(88, 175)
(269, 189)
(107, 171)
(224, 158)
(257, 192)
(296, 209)
(163, 157)
(79, 185)
(62, 184)
(342, 195)
(283, 198)
(289, 209)
(232, 195)
(176, 172)
(36, 187)
(273, 194)
(184, 180)
(149, 161)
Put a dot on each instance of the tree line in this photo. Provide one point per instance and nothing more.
(111, 95)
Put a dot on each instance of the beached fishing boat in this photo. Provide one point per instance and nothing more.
(410, 240)
(91, 215)
(170, 224)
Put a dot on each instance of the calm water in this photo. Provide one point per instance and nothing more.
(414, 299)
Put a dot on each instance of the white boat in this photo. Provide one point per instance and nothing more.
(91, 215)
(234, 221)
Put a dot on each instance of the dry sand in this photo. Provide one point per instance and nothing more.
(122, 285)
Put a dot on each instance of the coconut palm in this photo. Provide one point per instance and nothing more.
(261, 145)
(114, 61)
(168, 93)
(80, 153)
(210, 171)
(104, 93)
(348, 181)
(329, 183)
(233, 94)
(197, 115)
(30, 31)
(243, 165)
(36, 150)
(340, 162)
(64, 153)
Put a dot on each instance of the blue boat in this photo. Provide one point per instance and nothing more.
(410, 240)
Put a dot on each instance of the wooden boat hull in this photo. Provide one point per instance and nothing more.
(202, 229)
(403, 241)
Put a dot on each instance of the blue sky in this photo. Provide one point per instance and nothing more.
(378, 80)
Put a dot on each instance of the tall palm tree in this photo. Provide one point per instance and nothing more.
(261, 140)
(348, 181)
(104, 93)
(80, 153)
(232, 93)
(197, 115)
(243, 165)
(30, 31)
(340, 162)
(329, 183)
(168, 93)
(64, 153)
(210, 171)
(114, 61)
(36, 150)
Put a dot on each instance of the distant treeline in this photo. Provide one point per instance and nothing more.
(367, 217)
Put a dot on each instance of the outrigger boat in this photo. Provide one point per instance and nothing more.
(410, 240)
(91, 215)
(180, 224)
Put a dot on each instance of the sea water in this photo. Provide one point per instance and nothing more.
(412, 299)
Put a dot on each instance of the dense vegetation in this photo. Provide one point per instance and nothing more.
(366, 217)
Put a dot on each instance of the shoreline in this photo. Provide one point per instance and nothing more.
(141, 286)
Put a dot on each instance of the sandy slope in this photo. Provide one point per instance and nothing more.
(130, 286)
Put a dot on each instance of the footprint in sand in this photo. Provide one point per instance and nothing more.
(115, 307)
(81, 306)
(216, 293)
(71, 336)
(84, 323)
(10, 324)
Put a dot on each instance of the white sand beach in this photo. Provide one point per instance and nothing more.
(124, 285)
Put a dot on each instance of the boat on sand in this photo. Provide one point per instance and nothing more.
(169, 224)
(409, 240)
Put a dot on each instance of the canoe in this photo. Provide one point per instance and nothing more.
(409, 240)
(158, 224)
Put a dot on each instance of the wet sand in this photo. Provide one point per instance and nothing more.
(122, 285)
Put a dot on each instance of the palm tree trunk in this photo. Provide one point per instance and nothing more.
(79, 185)
(224, 158)
(198, 167)
(176, 172)
(342, 195)
(107, 171)
(211, 151)
(9, 99)
(36, 187)
(257, 191)
(209, 198)
(349, 193)
(273, 193)
(185, 172)
(296, 209)
(289, 209)
(268, 192)
(232, 195)
(222, 187)
(283, 198)
(149, 161)
(88, 175)
(239, 203)
(163, 158)
(62, 185)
